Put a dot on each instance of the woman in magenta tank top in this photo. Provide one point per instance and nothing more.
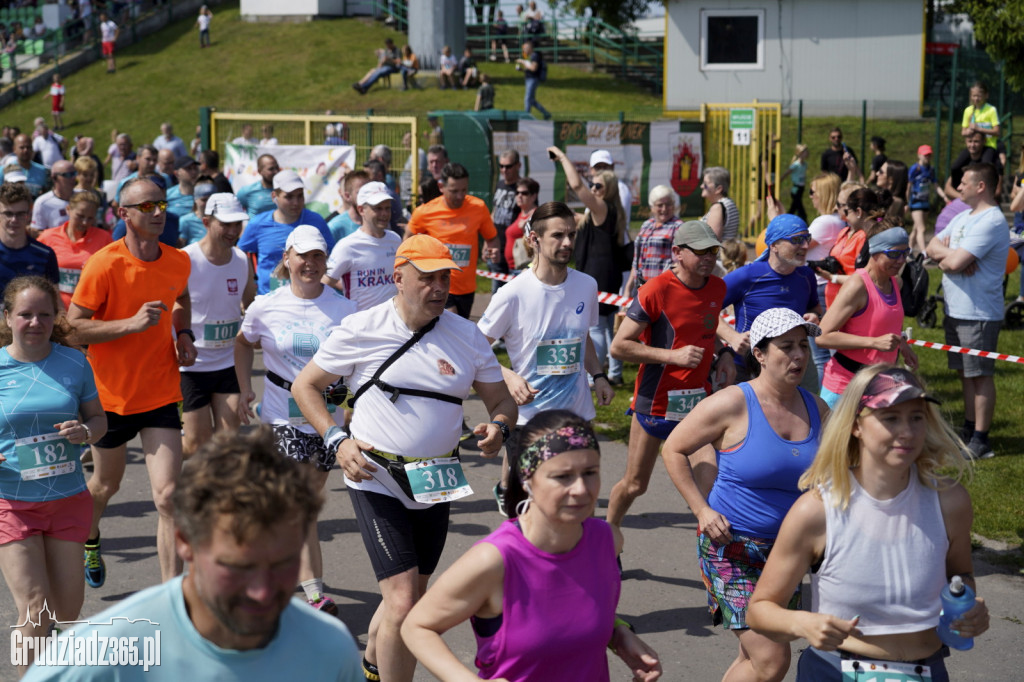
(865, 321)
(541, 590)
(765, 433)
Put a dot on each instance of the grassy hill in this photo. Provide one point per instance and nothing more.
(307, 67)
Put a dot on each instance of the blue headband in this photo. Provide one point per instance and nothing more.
(888, 239)
(782, 226)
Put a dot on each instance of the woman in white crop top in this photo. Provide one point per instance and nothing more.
(876, 577)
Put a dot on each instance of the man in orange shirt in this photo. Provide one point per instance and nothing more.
(130, 296)
(458, 220)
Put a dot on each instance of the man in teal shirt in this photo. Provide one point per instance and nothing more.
(256, 197)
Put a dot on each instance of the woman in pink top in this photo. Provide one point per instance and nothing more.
(541, 590)
(864, 323)
(527, 190)
(75, 241)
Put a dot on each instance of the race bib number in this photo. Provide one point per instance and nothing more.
(218, 333)
(68, 280)
(559, 356)
(44, 456)
(295, 416)
(461, 254)
(437, 480)
(867, 670)
(680, 402)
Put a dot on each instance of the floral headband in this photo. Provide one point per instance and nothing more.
(554, 443)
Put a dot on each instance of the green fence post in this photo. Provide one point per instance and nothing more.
(800, 121)
(938, 127)
(863, 131)
(204, 123)
(952, 106)
(554, 26)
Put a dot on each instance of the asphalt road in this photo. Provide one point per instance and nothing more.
(662, 594)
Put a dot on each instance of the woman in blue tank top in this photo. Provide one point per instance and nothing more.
(765, 433)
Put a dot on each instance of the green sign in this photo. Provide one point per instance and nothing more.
(741, 119)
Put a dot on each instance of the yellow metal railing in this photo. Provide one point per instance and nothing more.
(362, 132)
(751, 167)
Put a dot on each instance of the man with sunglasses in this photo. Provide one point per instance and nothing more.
(132, 307)
(779, 278)
(51, 208)
(833, 159)
(504, 210)
(670, 330)
(20, 254)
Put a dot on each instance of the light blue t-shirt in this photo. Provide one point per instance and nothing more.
(177, 203)
(987, 236)
(37, 175)
(256, 198)
(191, 228)
(342, 226)
(265, 237)
(33, 397)
(186, 655)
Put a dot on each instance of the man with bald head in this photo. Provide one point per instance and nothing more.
(257, 197)
(165, 164)
(51, 208)
(36, 173)
(168, 140)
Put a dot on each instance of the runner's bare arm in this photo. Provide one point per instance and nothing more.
(181, 318)
(626, 346)
(501, 406)
(89, 331)
(604, 391)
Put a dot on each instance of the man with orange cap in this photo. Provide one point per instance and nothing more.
(401, 459)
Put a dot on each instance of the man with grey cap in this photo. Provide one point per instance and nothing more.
(779, 278)
(363, 263)
(669, 330)
(267, 232)
(406, 430)
(221, 285)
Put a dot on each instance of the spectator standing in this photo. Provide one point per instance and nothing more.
(797, 172)
(833, 159)
(652, 251)
(504, 209)
(430, 186)
(109, 33)
(36, 175)
(168, 140)
(535, 72)
(122, 158)
(723, 215)
(922, 181)
(981, 117)
(165, 164)
(484, 94)
(824, 231)
(878, 159)
(209, 164)
(971, 253)
(518, 254)
(48, 145)
(56, 95)
(258, 197)
(203, 22)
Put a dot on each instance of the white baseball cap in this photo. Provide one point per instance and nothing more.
(776, 322)
(288, 181)
(15, 176)
(306, 238)
(601, 156)
(373, 193)
(225, 207)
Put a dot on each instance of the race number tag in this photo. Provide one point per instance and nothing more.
(680, 402)
(68, 280)
(867, 670)
(295, 417)
(461, 254)
(44, 456)
(219, 333)
(559, 356)
(437, 480)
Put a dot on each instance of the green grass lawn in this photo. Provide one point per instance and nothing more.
(310, 68)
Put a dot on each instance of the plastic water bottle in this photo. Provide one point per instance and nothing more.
(957, 599)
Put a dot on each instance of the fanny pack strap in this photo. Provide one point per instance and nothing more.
(848, 363)
(278, 380)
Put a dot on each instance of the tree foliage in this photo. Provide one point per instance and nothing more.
(999, 29)
(618, 13)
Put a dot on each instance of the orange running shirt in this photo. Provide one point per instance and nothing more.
(71, 256)
(460, 229)
(137, 372)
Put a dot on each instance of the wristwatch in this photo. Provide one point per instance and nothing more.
(505, 430)
(190, 333)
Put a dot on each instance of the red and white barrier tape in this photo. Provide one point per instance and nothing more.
(615, 299)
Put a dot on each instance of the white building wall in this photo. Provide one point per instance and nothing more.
(829, 53)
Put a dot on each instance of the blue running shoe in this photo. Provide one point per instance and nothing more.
(95, 569)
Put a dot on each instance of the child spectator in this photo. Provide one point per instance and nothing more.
(467, 69)
(798, 172)
(203, 22)
(446, 69)
(485, 94)
(56, 95)
(919, 194)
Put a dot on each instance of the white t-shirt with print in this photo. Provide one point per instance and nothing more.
(291, 330)
(546, 330)
(108, 30)
(366, 266)
(448, 359)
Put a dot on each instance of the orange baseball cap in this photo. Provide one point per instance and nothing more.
(426, 253)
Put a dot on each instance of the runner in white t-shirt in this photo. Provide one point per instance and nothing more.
(221, 284)
(290, 323)
(364, 261)
(401, 463)
(544, 316)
